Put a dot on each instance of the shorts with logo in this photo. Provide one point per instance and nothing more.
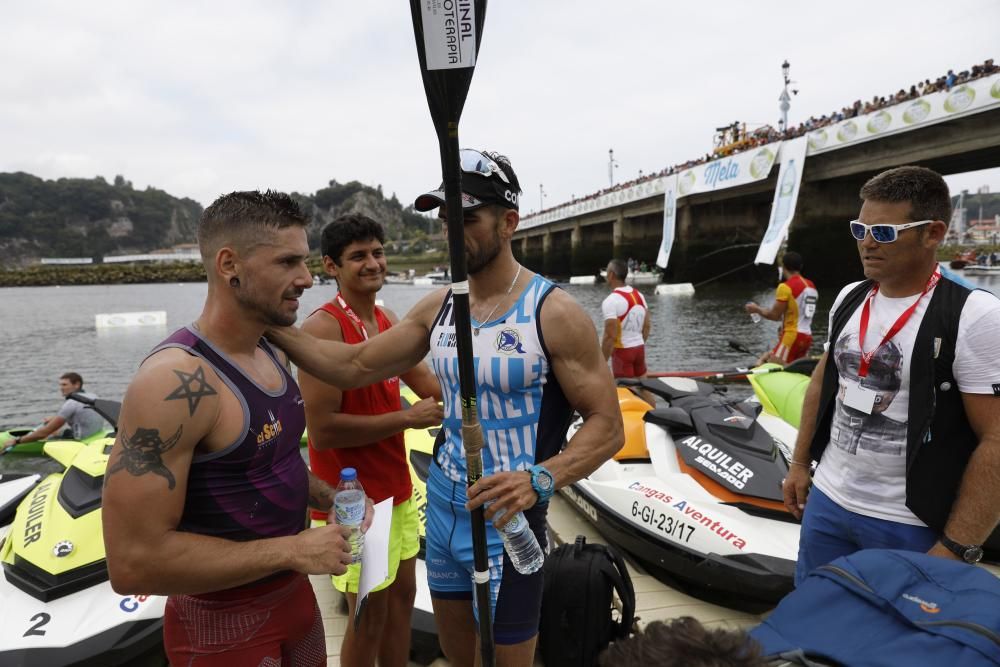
(404, 544)
(275, 622)
(628, 362)
(797, 349)
(516, 599)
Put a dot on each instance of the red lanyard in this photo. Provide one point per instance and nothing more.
(351, 314)
(866, 357)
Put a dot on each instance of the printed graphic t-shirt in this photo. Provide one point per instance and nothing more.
(627, 306)
(864, 468)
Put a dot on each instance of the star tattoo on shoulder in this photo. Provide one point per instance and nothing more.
(193, 387)
(142, 452)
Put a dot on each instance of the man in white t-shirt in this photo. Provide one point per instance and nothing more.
(81, 420)
(903, 410)
(626, 327)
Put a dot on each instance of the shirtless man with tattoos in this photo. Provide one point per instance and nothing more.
(206, 493)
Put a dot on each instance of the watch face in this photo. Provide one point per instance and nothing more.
(973, 554)
(542, 479)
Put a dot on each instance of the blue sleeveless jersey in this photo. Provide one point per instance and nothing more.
(522, 409)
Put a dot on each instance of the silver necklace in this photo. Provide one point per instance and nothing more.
(475, 330)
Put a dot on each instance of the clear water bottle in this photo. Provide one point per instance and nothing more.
(521, 545)
(754, 317)
(349, 506)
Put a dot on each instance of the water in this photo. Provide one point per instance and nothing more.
(349, 506)
(521, 545)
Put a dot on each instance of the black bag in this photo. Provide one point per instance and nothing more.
(578, 601)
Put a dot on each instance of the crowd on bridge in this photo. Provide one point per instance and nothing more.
(767, 134)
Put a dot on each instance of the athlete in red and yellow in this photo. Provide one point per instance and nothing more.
(794, 305)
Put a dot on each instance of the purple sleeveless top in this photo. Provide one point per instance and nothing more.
(258, 486)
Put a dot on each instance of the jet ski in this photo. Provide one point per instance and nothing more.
(58, 606)
(695, 493)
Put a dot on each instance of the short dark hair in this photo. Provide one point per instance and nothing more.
(684, 642)
(926, 191)
(792, 261)
(619, 267)
(347, 229)
(72, 377)
(238, 218)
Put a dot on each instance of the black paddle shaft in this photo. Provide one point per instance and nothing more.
(453, 47)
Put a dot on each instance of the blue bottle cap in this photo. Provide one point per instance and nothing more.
(348, 475)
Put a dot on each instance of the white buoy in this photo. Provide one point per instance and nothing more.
(582, 280)
(137, 319)
(675, 289)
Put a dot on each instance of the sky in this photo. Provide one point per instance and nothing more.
(200, 99)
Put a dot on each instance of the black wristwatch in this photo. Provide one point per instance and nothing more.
(970, 553)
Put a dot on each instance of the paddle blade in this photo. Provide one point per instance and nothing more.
(448, 34)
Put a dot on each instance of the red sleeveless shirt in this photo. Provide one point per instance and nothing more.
(381, 465)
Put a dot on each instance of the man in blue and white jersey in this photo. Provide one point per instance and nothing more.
(537, 361)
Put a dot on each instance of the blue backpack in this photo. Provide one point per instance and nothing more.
(885, 608)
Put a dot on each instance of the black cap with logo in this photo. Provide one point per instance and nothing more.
(484, 182)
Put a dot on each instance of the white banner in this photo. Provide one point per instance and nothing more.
(793, 157)
(449, 33)
(728, 172)
(933, 108)
(669, 220)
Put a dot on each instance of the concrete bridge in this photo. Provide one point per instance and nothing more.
(720, 230)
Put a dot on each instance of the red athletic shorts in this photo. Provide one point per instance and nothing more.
(273, 623)
(798, 349)
(628, 362)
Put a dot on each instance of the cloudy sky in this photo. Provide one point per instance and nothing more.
(203, 98)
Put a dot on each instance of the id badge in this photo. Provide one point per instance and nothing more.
(860, 398)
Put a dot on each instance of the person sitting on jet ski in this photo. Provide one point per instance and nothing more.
(80, 418)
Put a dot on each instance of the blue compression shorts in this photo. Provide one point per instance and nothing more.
(515, 599)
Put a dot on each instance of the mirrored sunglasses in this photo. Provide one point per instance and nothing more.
(882, 233)
(474, 162)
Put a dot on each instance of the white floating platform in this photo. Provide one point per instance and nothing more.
(675, 288)
(137, 319)
(423, 281)
(582, 280)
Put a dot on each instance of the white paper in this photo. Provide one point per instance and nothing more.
(860, 398)
(375, 555)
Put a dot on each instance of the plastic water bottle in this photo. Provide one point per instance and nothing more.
(520, 543)
(754, 317)
(349, 506)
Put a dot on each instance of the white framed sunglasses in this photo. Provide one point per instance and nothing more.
(882, 233)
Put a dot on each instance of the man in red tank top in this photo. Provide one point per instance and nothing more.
(363, 429)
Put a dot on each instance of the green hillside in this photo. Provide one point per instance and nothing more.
(77, 217)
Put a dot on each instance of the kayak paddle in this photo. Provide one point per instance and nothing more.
(448, 36)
